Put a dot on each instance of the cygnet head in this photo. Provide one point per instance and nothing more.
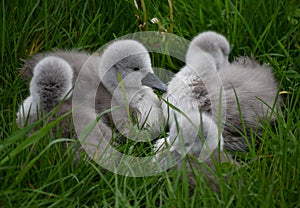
(213, 43)
(52, 81)
(129, 61)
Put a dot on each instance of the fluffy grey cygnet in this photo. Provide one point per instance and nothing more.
(53, 75)
(254, 84)
(51, 82)
(124, 60)
(129, 61)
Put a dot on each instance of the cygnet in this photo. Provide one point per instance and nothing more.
(249, 90)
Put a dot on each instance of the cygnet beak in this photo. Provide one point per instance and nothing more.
(154, 82)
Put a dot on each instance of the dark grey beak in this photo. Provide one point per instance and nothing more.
(154, 82)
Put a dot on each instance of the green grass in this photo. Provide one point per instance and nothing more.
(37, 169)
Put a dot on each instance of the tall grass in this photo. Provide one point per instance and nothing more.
(38, 170)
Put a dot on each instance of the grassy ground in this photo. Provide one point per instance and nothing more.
(37, 171)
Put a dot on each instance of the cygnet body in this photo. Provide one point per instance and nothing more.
(251, 97)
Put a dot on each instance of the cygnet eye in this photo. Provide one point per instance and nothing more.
(136, 69)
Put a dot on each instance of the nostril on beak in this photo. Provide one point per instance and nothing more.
(154, 82)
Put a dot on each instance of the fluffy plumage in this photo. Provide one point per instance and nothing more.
(254, 85)
(250, 92)
(190, 119)
(53, 75)
(190, 122)
(130, 62)
(126, 60)
(214, 44)
(196, 90)
(192, 128)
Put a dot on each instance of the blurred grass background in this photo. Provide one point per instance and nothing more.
(267, 30)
